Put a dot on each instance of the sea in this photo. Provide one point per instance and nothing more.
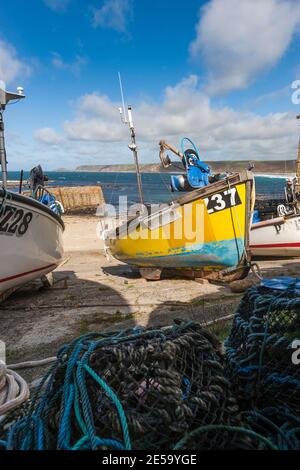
(156, 186)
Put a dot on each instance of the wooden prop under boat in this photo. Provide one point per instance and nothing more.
(220, 216)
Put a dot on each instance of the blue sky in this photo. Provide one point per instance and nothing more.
(219, 71)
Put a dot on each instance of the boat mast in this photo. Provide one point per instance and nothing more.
(5, 97)
(297, 186)
(133, 147)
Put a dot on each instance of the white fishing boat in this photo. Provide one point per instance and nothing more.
(31, 228)
(278, 237)
(279, 234)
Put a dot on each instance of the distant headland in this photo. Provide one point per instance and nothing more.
(267, 167)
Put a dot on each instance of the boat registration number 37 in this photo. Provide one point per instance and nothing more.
(15, 221)
(220, 201)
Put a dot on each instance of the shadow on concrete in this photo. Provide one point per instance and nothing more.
(122, 270)
(36, 320)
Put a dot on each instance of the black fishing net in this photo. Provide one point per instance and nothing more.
(260, 355)
(280, 425)
(139, 389)
(167, 388)
(168, 380)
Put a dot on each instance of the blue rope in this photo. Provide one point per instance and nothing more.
(31, 432)
(3, 443)
(83, 444)
(191, 142)
(64, 433)
(117, 403)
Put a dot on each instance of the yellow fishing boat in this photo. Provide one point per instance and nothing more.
(205, 229)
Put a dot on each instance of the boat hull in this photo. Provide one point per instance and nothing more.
(217, 218)
(31, 242)
(276, 238)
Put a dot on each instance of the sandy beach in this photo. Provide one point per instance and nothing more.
(91, 293)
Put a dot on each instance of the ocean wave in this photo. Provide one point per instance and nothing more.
(277, 177)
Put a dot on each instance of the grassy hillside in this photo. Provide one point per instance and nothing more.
(264, 167)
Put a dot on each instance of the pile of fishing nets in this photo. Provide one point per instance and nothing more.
(261, 360)
(172, 388)
(260, 348)
(135, 389)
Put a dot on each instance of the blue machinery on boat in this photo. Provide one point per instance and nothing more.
(197, 173)
(40, 193)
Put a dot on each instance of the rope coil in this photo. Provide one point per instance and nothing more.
(13, 390)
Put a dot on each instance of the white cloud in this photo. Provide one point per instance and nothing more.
(47, 135)
(74, 66)
(239, 39)
(114, 14)
(96, 119)
(220, 132)
(11, 66)
(57, 5)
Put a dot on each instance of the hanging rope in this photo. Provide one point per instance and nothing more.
(254, 267)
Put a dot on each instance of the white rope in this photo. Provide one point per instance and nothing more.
(29, 364)
(13, 389)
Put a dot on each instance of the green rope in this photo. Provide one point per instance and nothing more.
(217, 427)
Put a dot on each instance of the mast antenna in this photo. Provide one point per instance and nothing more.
(122, 109)
(127, 118)
(298, 164)
(5, 97)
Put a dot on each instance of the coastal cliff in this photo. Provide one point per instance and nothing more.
(271, 167)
